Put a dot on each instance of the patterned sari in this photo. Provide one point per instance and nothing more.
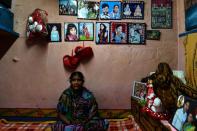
(81, 107)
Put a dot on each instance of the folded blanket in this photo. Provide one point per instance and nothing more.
(23, 126)
(127, 124)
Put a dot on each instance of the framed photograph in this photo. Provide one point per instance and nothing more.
(137, 33)
(68, 7)
(153, 34)
(139, 90)
(187, 111)
(133, 10)
(102, 32)
(88, 10)
(110, 10)
(71, 31)
(86, 31)
(161, 14)
(54, 30)
(118, 33)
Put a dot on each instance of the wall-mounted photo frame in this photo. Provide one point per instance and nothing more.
(110, 10)
(139, 90)
(68, 7)
(86, 31)
(161, 14)
(88, 10)
(71, 31)
(137, 33)
(54, 30)
(133, 10)
(118, 33)
(102, 32)
(153, 34)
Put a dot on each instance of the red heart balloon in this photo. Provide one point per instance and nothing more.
(84, 52)
(70, 62)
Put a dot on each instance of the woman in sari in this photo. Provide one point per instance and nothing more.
(77, 107)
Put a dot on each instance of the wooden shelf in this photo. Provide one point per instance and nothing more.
(7, 39)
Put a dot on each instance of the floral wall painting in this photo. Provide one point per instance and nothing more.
(88, 10)
(136, 33)
(102, 32)
(161, 14)
(71, 31)
(133, 10)
(110, 10)
(86, 31)
(54, 30)
(153, 34)
(68, 7)
(118, 34)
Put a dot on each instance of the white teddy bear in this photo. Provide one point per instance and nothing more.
(157, 105)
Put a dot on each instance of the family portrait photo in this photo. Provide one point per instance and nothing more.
(133, 10)
(137, 33)
(54, 30)
(86, 31)
(102, 32)
(110, 10)
(68, 7)
(88, 10)
(118, 33)
(71, 31)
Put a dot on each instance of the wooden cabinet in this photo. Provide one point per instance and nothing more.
(145, 121)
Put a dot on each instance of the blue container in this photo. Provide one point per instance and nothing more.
(6, 19)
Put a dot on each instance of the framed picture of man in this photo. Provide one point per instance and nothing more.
(118, 33)
(54, 30)
(102, 32)
(133, 10)
(161, 14)
(68, 7)
(71, 31)
(136, 33)
(110, 10)
(88, 10)
(86, 31)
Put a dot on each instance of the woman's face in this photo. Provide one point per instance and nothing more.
(73, 31)
(190, 118)
(119, 29)
(102, 27)
(76, 82)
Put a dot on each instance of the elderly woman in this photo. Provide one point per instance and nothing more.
(77, 107)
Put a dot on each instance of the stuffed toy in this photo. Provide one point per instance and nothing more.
(36, 24)
(156, 106)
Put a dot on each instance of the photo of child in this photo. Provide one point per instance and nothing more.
(71, 31)
(54, 30)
